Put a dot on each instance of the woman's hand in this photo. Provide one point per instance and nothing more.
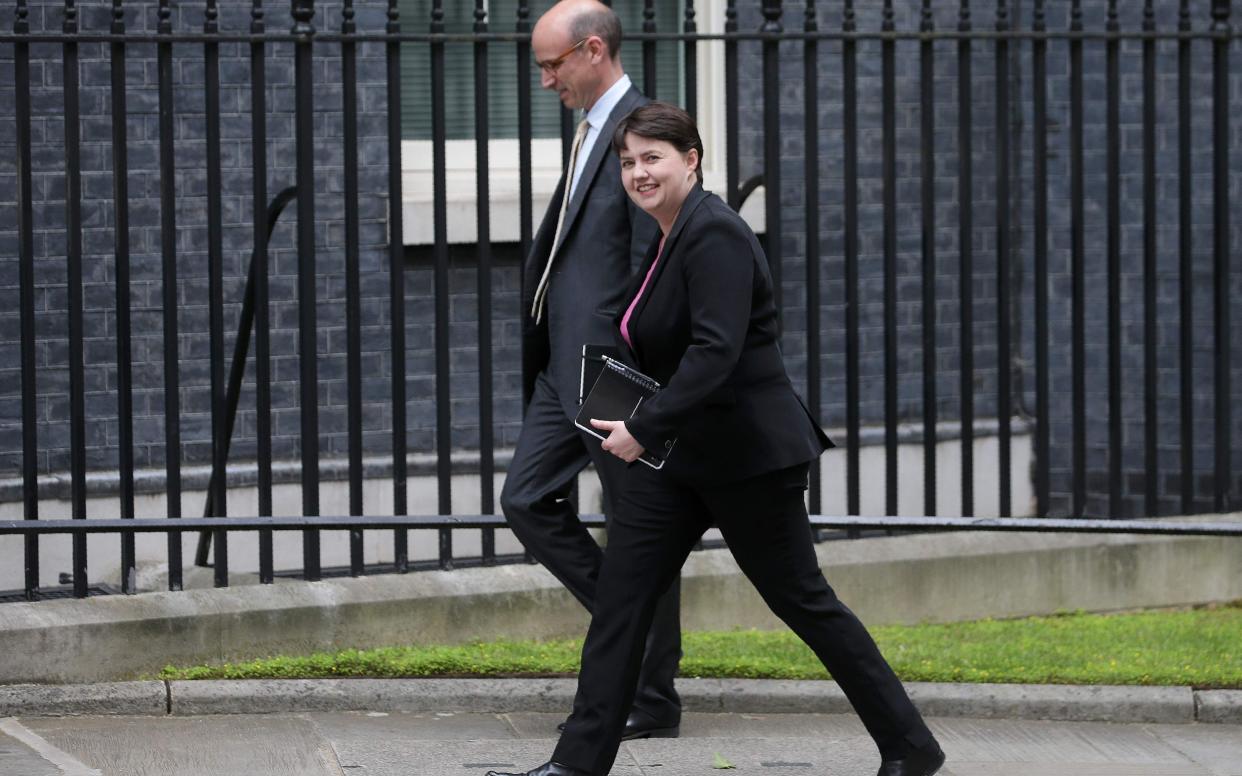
(619, 441)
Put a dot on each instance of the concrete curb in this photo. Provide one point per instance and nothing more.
(1176, 705)
(1219, 706)
(262, 696)
(61, 700)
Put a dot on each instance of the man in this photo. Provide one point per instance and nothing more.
(591, 239)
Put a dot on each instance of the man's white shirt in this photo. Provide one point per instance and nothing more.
(596, 116)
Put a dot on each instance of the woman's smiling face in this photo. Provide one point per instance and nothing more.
(657, 176)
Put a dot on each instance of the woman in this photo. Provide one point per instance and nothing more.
(700, 318)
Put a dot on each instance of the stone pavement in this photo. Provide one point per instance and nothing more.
(363, 743)
(463, 727)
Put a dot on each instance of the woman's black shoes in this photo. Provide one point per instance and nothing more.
(920, 762)
(547, 769)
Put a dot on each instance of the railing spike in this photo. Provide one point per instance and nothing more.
(771, 16)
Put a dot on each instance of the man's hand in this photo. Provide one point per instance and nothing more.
(619, 441)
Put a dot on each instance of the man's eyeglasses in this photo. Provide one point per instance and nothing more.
(552, 65)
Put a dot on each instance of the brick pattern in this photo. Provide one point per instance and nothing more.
(99, 217)
(983, 204)
(146, 287)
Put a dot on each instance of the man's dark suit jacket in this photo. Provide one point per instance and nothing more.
(602, 241)
(706, 329)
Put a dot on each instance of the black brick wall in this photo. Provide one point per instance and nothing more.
(983, 205)
(191, 214)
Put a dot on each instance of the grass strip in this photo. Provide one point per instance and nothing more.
(1198, 647)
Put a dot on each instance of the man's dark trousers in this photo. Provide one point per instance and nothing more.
(550, 453)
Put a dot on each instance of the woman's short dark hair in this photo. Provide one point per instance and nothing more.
(661, 121)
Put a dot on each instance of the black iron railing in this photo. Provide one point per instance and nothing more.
(761, 37)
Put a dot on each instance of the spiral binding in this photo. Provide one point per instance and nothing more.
(638, 378)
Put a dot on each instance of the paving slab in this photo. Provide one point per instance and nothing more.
(721, 725)
(1072, 769)
(421, 757)
(378, 727)
(200, 746)
(1219, 749)
(378, 743)
(1009, 741)
(17, 757)
(828, 756)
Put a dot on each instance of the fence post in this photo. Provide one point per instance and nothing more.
(1151, 418)
(124, 356)
(927, 130)
(483, 248)
(261, 298)
(966, 263)
(218, 489)
(1039, 70)
(888, 171)
(1004, 364)
(649, 49)
(772, 144)
(303, 13)
(1220, 247)
(1078, 355)
(25, 207)
(849, 146)
(691, 61)
(396, 287)
(810, 118)
(1112, 87)
(1185, 263)
(353, 313)
(439, 165)
(73, 223)
(732, 152)
(168, 280)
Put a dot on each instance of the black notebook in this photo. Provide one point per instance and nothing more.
(617, 394)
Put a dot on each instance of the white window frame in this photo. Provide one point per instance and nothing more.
(546, 163)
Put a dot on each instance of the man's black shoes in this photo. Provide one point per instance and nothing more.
(640, 724)
(920, 762)
(547, 769)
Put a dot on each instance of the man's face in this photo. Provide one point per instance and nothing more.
(565, 66)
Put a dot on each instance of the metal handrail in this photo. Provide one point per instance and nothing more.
(430, 522)
(237, 370)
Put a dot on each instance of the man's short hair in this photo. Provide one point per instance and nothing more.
(602, 22)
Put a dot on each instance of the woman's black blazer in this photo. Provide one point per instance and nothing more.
(706, 329)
